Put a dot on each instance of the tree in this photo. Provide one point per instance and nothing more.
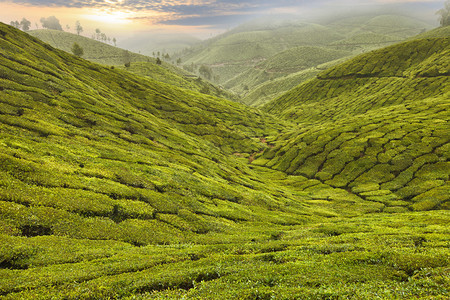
(158, 61)
(51, 23)
(178, 61)
(25, 24)
(78, 27)
(444, 14)
(77, 50)
(98, 34)
(167, 56)
(114, 41)
(126, 57)
(205, 71)
(15, 24)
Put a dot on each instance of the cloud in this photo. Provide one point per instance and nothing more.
(206, 12)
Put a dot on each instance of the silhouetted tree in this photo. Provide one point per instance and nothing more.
(25, 24)
(444, 14)
(158, 61)
(51, 23)
(98, 33)
(205, 71)
(114, 41)
(78, 27)
(126, 57)
(15, 24)
(77, 50)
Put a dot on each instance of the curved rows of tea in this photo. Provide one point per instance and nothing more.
(117, 186)
(397, 155)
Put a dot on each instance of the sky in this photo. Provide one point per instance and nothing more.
(201, 18)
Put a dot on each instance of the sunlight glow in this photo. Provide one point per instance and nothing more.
(111, 17)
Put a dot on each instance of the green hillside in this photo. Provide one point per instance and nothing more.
(94, 51)
(392, 25)
(238, 51)
(119, 186)
(248, 59)
(404, 72)
(151, 43)
(285, 63)
(105, 54)
(376, 126)
(274, 88)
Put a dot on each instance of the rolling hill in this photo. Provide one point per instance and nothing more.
(376, 125)
(249, 57)
(105, 54)
(115, 185)
(295, 60)
(151, 43)
(94, 51)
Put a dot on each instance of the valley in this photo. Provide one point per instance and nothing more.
(143, 182)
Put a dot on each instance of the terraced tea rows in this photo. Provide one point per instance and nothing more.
(117, 186)
(397, 156)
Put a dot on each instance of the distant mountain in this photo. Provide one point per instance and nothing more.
(237, 58)
(151, 43)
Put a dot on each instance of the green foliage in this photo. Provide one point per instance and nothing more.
(256, 55)
(51, 23)
(77, 50)
(95, 51)
(115, 185)
(25, 24)
(444, 14)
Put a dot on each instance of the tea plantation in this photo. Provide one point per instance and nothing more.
(118, 186)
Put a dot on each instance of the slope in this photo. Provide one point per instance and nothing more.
(151, 43)
(238, 51)
(269, 90)
(285, 63)
(239, 54)
(105, 54)
(94, 51)
(376, 126)
(113, 142)
(117, 186)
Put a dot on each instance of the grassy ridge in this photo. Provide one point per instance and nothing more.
(86, 140)
(113, 185)
(105, 54)
(413, 70)
(272, 89)
(283, 64)
(95, 51)
(246, 58)
(375, 126)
